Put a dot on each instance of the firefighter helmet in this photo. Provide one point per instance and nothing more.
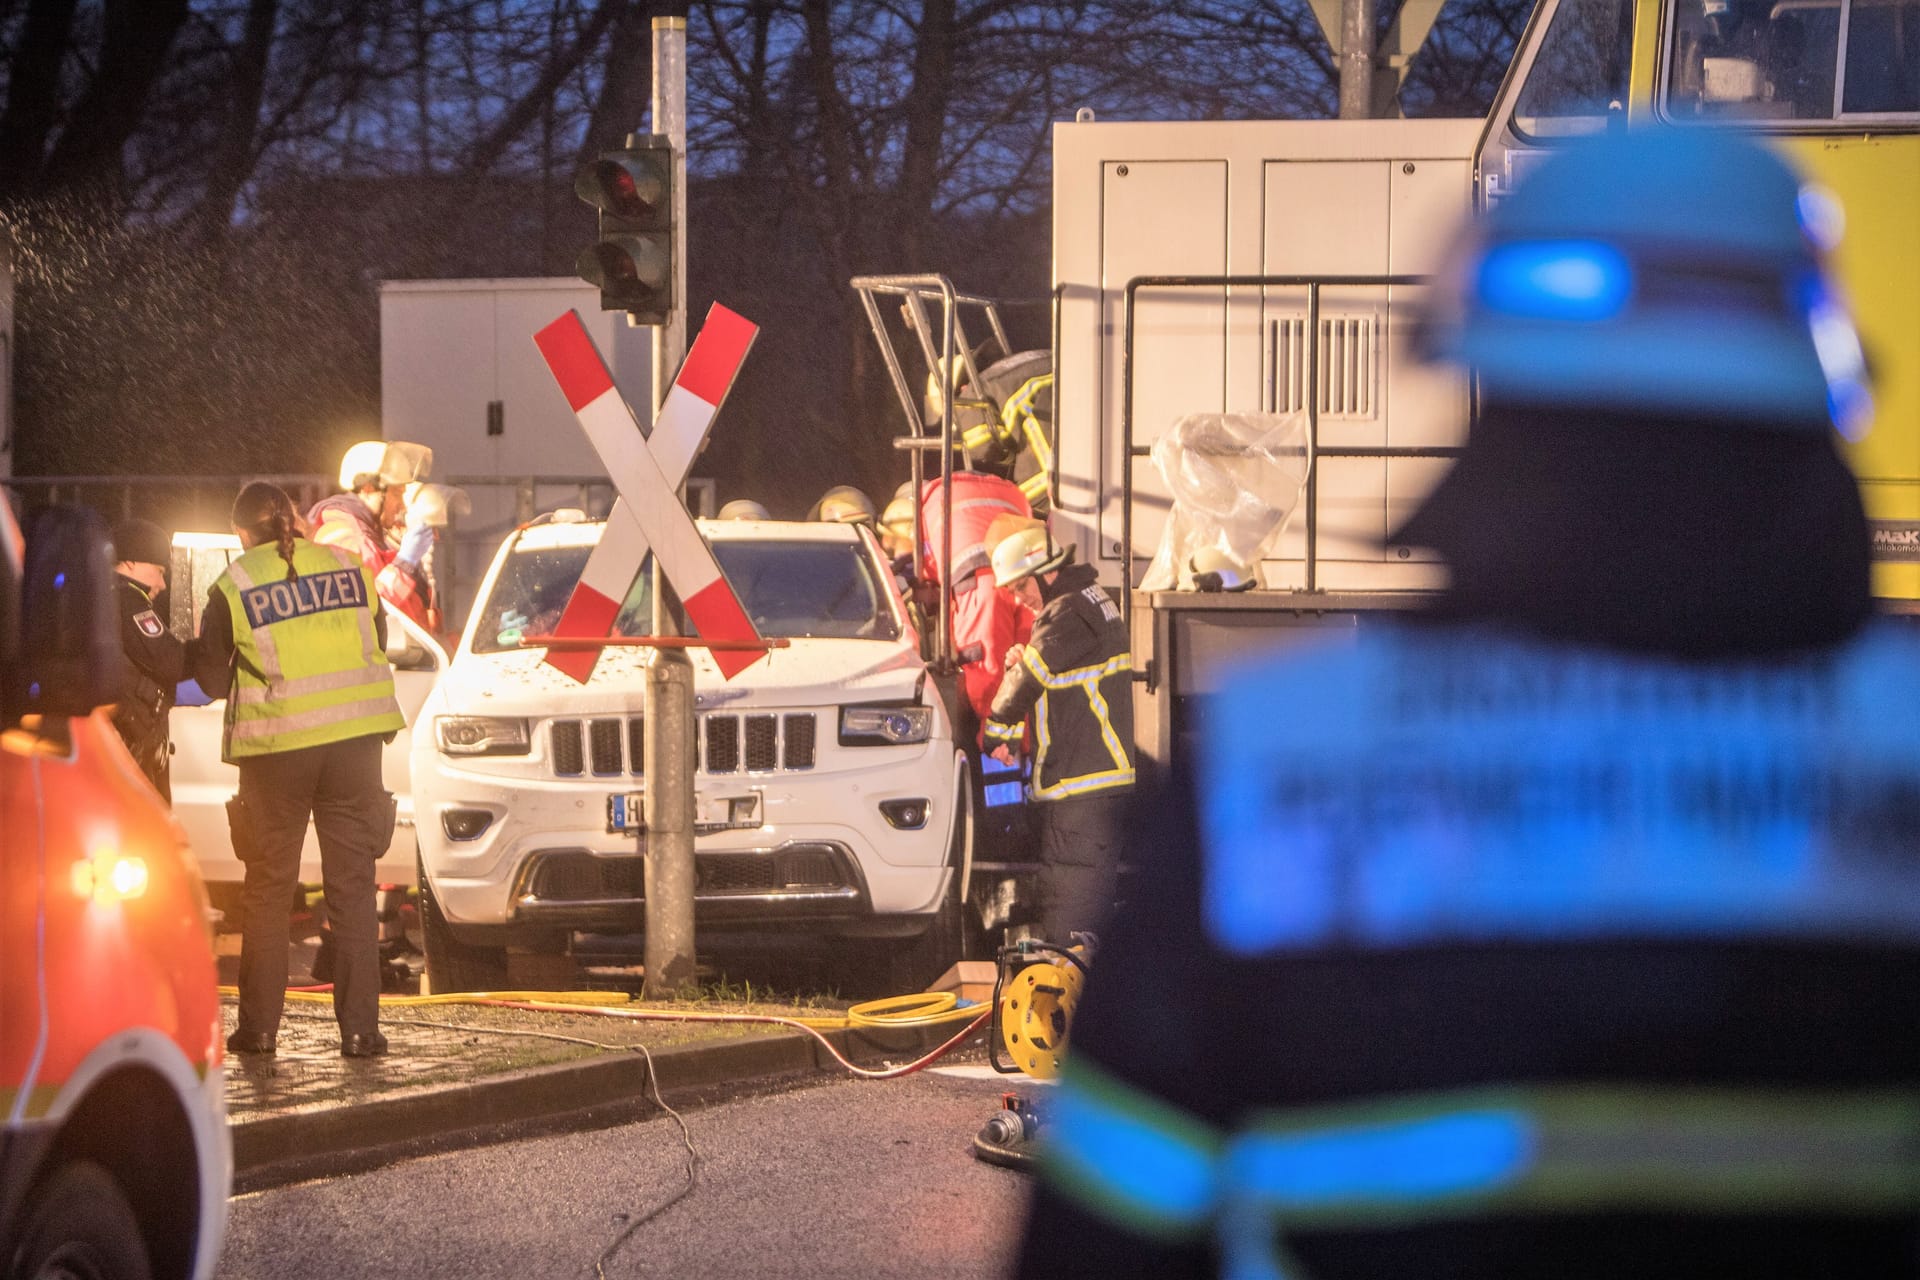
(744, 509)
(897, 519)
(382, 464)
(1659, 271)
(1215, 570)
(847, 505)
(1025, 552)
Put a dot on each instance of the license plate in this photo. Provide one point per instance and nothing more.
(626, 813)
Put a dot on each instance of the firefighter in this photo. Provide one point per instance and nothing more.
(374, 475)
(292, 639)
(1075, 675)
(156, 661)
(1568, 930)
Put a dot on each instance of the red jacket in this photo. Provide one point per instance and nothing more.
(344, 521)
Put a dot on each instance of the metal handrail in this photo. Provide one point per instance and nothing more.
(1312, 284)
(917, 289)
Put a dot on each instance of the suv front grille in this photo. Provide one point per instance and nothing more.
(729, 743)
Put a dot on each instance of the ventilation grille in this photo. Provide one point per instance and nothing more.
(1349, 358)
(604, 737)
(568, 759)
(799, 730)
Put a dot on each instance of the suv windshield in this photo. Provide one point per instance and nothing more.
(791, 589)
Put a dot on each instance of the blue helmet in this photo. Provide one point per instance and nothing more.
(1657, 271)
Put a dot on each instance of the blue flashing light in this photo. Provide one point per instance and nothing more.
(59, 581)
(1577, 280)
(1842, 360)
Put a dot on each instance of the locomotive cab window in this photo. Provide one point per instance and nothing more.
(1793, 61)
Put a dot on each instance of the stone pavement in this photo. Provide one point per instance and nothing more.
(459, 1074)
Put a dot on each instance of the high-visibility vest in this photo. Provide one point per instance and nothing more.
(310, 666)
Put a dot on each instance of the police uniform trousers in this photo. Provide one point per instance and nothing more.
(1080, 840)
(338, 785)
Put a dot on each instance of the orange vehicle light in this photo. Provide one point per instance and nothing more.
(110, 877)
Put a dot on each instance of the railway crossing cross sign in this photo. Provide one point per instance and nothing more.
(647, 472)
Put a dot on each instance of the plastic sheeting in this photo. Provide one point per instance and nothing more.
(1235, 480)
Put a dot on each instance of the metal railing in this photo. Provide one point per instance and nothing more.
(1314, 450)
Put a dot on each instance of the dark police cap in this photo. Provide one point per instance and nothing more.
(142, 542)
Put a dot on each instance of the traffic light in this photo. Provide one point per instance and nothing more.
(632, 262)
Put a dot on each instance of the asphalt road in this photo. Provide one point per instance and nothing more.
(851, 1178)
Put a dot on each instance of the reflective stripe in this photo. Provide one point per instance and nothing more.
(263, 640)
(1004, 732)
(1131, 1157)
(317, 718)
(1554, 1150)
(367, 639)
(303, 685)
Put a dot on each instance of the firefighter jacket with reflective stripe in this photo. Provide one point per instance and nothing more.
(1466, 954)
(1076, 677)
(309, 668)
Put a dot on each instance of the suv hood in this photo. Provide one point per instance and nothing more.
(809, 673)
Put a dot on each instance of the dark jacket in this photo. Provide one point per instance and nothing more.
(156, 662)
(1077, 680)
(1604, 865)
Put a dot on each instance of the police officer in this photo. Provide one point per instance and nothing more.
(1570, 930)
(1076, 676)
(156, 660)
(292, 637)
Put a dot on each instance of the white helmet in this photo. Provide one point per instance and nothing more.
(1215, 570)
(744, 509)
(384, 463)
(1025, 552)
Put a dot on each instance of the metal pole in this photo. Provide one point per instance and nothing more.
(667, 732)
(1356, 59)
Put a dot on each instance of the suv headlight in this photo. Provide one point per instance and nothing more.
(482, 736)
(885, 726)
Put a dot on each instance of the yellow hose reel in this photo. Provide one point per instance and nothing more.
(1036, 1015)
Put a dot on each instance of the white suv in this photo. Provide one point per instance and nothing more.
(831, 797)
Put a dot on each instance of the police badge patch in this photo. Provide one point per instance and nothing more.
(149, 623)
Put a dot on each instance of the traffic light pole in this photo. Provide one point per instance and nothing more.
(668, 727)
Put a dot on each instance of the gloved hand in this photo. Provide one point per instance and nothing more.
(435, 504)
(188, 693)
(414, 546)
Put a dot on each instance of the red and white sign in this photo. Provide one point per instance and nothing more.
(647, 472)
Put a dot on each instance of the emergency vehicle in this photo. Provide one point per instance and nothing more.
(1275, 266)
(115, 1160)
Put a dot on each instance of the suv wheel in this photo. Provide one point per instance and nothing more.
(82, 1228)
(453, 965)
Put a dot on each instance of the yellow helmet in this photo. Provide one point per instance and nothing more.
(744, 509)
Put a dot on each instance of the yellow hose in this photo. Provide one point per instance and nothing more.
(917, 1009)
